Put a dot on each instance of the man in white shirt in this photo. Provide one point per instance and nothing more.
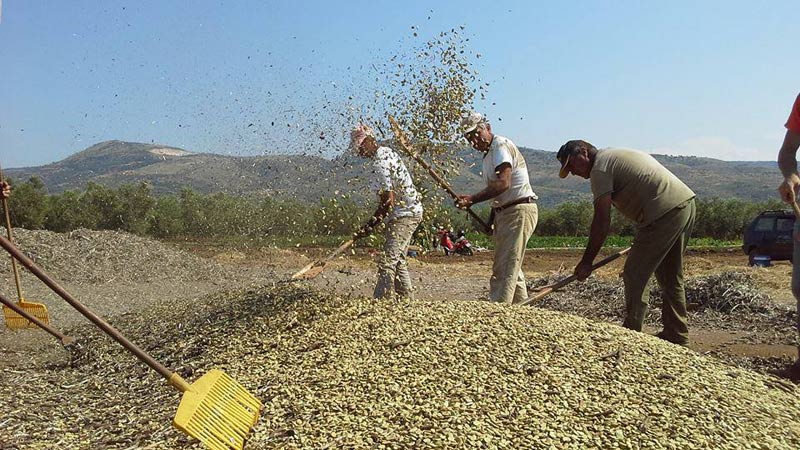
(399, 203)
(513, 206)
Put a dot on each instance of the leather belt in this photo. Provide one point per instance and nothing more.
(516, 202)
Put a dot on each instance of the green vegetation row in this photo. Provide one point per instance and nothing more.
(271, 221)
(580, 241)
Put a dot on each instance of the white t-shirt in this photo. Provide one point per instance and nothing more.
(502, 150)
(390, 174)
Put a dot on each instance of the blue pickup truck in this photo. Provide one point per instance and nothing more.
(769, 234)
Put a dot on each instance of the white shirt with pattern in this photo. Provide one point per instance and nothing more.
(390, 174)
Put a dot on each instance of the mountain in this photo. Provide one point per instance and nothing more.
(169, 169)
(308, 178)
(707, 177)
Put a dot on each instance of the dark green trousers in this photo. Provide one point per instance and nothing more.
(658, 249)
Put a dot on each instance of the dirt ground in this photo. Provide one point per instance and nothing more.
(434, 275)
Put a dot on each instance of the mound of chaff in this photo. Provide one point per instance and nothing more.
(87, 256)
(360, 373)
(725, 292)
(728, 301)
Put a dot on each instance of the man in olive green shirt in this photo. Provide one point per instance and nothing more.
(662, 207)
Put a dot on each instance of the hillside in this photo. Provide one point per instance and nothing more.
(307, 178)
(708, 177)
(169, 169)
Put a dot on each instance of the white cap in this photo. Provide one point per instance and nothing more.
(359, 133)
(470, 121)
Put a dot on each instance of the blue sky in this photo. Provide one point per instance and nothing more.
(706, 78)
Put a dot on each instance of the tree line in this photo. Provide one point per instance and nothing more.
(136, 209)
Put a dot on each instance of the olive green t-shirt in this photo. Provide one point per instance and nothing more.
(641, 188)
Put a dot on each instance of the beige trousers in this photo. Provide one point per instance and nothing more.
(513, 228)
(393, 277)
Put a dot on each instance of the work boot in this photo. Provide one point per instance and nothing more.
(791, 372)
(677, 340)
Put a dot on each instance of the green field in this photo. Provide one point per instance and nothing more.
(477, 239)
(580, 241)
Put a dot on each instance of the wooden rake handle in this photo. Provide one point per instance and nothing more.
(408, 149)
(65, 340)
(558, 285)
(173, 378)
(322, 262)
(11, 238)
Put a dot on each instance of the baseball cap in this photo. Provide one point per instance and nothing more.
(564, 171)
(358, 134)
(470, 121)
(568, 150)
(563, 155)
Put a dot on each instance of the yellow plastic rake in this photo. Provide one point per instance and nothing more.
(214, 409)
(66, 341)
(15, 320)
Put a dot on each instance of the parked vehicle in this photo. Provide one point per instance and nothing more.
(454, 244)
(770, 234)
(462, 245)
(444, 241)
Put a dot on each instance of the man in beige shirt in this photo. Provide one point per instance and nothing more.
(513, 206)
(662, 207)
